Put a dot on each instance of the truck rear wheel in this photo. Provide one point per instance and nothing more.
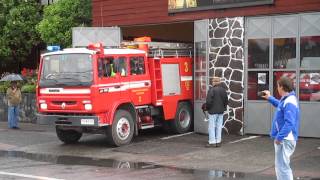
(68, 136)
(183, 119)
(122, 129)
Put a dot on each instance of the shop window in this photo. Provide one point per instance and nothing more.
(258, 53)
(309, 86)
(310, 52)
(137, 65)
(257, 81)
(284, 53)
(200, 71)
(277, 75)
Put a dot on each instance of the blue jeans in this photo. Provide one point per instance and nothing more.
(215, 128)
(283, 152)
(13, 115)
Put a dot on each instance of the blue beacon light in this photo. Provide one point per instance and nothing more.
(53, 48)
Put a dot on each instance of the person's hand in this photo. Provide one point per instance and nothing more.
(277, 142)
(266, 94)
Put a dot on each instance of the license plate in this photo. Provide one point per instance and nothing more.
(87, 121)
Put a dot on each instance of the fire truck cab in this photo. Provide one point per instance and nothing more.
(116, 91)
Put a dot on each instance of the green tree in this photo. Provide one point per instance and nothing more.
(60, 17)
(18, 34)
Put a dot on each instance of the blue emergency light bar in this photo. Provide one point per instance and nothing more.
(53, 48)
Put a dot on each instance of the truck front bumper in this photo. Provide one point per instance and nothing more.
(68, 120)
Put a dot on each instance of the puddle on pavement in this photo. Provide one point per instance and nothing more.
(73, 160)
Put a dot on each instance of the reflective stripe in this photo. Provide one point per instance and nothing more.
(186, 78)
(111, 88)
(125, 85)
(121, 83)
(64, 91)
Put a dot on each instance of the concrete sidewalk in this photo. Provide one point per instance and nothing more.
(245, 154)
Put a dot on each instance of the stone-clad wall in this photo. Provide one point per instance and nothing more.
(226, 60)
(27, 108)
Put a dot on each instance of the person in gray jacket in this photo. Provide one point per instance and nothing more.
(216, 104)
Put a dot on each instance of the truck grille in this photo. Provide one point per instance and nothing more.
(70, 114)
(66, 102)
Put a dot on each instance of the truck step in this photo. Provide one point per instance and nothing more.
(147, 126)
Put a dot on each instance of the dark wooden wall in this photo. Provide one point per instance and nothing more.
(143, 12)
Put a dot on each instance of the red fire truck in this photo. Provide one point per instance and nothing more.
(116, 91)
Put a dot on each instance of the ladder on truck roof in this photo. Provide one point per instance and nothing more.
(165, 49)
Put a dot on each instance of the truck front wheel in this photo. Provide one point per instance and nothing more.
(122, 129)
(183, 119)
(68, 136)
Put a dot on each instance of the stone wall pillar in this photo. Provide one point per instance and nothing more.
(226, 60)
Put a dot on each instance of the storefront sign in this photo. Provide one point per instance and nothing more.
(196, 5)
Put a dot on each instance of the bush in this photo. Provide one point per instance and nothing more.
(28, 88)
(4, 86)
(30, 75)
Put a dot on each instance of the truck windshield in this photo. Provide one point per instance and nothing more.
(66, 70)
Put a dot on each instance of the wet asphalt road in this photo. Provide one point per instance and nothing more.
(34, 152)
(22, 168)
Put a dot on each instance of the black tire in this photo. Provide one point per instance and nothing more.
(183, 120)
(122, 129)
(68, 136)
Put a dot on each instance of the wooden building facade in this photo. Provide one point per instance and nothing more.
(250, 47)
(150, 12)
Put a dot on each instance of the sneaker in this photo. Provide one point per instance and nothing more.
(210, 145)
(15, 127)
(218, 145)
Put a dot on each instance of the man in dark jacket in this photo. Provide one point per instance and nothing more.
(216, 102)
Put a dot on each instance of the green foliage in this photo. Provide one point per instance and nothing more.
(29, 85)
(28, 88)
(18, 35)
(4, 86)
(60, 17)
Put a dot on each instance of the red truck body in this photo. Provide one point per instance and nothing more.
(145, 89)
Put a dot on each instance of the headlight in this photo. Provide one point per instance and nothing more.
(88, 106)
(43, 106)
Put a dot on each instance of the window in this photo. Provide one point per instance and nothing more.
(284, 53)
(121, 66)
(137, 65)
(310, 52)
(67, 70)
(106, 67)
(257, 81)
(258, 53)
(277, 75)
(309, 86)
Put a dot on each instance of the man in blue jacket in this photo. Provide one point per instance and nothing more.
(285, 126)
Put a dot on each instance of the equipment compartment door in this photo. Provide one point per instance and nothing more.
(171, 79)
